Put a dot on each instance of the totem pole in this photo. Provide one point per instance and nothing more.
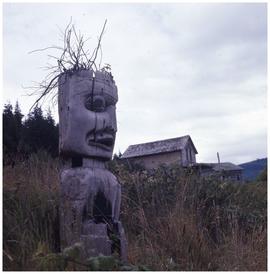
(90, 194)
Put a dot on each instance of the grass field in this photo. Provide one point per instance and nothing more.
(173, 220)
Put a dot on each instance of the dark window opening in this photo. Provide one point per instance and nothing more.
(187, 155)
(102, 211)
(77, 161)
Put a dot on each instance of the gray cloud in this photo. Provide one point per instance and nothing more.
(197, 69)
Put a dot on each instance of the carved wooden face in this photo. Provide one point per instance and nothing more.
(87, 114)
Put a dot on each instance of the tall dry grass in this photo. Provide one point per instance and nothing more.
(30, 204)
(173, 219)
(178, 221)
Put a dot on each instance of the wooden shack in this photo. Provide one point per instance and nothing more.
(180, 150)
(224, 171)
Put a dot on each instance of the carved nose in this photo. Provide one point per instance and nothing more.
(106, 121)
(112, 127)
(108, 126)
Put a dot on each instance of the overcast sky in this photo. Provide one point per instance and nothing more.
(197, 69)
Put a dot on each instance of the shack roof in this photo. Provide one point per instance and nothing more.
(157, 147)
(227, 166)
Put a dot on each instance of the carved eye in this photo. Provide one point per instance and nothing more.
(97, 104)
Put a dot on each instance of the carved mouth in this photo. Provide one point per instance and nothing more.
(105, 142)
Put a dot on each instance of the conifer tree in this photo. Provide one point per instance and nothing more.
(9, 140)
(40, 132)
(37, 132)
(18, 125)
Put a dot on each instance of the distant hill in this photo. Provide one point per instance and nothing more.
(253, 169)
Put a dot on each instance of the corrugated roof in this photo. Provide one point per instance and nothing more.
(226, 166)
(168, 145)
(222, 166)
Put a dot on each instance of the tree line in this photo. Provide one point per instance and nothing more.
(22, 137)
